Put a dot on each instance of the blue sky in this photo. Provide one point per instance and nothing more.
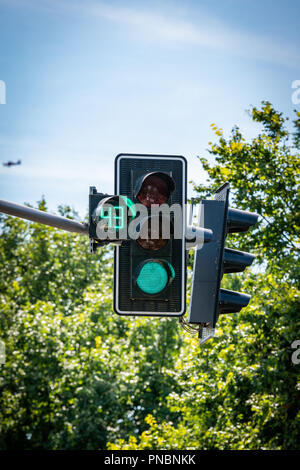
(86, 80)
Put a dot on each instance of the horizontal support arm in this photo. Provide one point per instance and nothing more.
(42, 217)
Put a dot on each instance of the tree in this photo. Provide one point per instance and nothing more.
(76, 375)
(241, 390)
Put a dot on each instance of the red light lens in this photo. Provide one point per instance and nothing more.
(152, 236)
(154, 190)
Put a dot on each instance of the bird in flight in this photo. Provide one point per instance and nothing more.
(10, 163)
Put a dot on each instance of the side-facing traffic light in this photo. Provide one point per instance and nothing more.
(213, 260)
(150, 266)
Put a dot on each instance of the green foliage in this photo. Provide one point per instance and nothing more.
(296, 134)
(263, 174)
(241, 389)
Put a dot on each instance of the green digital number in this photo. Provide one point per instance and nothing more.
(113, 217)
(119, 217)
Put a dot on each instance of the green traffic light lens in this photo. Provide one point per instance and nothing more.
(152, 278)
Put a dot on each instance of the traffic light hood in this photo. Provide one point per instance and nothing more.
(155, 188)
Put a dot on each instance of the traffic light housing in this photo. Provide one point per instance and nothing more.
(150, 265)
(208, 299)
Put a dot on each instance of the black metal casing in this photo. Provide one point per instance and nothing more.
(128, 299)
(212, 260)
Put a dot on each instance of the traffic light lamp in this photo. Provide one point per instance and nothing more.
(150, 265)
(213, 260)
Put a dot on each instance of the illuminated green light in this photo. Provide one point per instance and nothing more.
(152, 278)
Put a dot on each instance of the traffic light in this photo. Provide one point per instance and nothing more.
(213, 260)
(150, 264)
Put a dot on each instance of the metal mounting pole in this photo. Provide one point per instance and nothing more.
(42, 217)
